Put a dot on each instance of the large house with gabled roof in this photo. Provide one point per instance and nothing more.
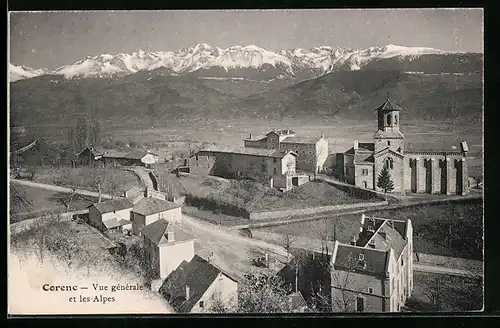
(196, 286)
(312, 152)
(374, 273)
(412, 170)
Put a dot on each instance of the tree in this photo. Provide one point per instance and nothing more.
(384, 181)
(81, 133)
(286, 242)
(95, 132)
(346, 287)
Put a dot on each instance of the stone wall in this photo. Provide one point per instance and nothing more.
(310, 211)
(21, 226)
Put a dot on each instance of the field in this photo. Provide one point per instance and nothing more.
(421, 216)
(28, 199)
(455, 294)
(114, 181)
(175, 140)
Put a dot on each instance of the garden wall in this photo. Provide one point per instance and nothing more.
(21, 226)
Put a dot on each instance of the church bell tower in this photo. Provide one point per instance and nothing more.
(388, 134)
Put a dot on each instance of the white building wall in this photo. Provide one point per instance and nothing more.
(321, 153)
(223, 288)
(171, 255)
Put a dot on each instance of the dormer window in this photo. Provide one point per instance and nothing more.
(361, 257)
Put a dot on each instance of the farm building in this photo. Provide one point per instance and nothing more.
(166, 247)
(149, 209)
(195, 284)
(140, 158)
(433, 171)
(111, 215)
(90, 156)
(266, 165)
(312, 152)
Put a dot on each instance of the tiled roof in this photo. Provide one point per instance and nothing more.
(281, 131)
(115, 154)
(392, 239)
(113, 205)
(388, 105)
(256, 138)
(157, 230)
(361, 158)
(434, 148)
(388, 134)
(243, 151)
(139, 154)
(368, 147)
(301, 140)
(374, 260)
(197, 274)
(149, 205)
(111, 223)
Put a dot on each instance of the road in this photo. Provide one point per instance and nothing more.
(429, 268)
(61, 189)
(143, 174)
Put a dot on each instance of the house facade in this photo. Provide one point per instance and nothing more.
(149, 209)
(311, 152)
(265, 165)
(196, 285)
(166, 247)
(111, 215)
(412, 170)
(374, 273)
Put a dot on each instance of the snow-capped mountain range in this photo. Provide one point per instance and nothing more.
(288, 63)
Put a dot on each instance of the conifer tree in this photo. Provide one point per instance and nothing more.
(384, 181)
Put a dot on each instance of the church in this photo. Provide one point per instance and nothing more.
(411, 171)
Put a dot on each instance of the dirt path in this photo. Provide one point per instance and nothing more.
(143, 174)
(232, 253)
(444, 270)
(61, 189)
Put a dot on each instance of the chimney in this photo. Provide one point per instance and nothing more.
(250, 136)
(188, 292)
(464, 146)
(353, 240)
(356, 144)
(372, 243)
(170, 236)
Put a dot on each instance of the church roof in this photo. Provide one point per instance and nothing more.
(388, 135)
(388, 106)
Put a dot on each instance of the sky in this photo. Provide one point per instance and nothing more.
(53, 39)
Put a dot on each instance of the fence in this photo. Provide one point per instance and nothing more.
(310, 211)
(21, 226)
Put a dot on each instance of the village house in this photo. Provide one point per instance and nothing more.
(91, 156)
(148, 210)
(413, 170)
(196, 285)
(165, 246)
(312, 152)
(374, 273)
(266, 165)
(111, 215)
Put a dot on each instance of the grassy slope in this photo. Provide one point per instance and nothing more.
(43, 200)
(116, 181)
(348, 226)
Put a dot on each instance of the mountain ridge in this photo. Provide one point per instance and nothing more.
(203, 59)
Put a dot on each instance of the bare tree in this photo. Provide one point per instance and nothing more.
(287, 242)
(346, 287)
(81, 133)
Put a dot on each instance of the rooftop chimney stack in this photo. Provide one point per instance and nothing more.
(353, 240)
(464, 146)
(356, 144)
(372, 243)
(250, 136)
(170, 236)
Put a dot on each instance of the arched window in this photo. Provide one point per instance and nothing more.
(395, 119)
(389, 163)
(388, 119)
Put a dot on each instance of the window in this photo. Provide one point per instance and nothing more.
(360, 304)
(388, 142)
(389, 119)
(365, 184)
(396, 119)
(263, 168)
(274, 170)
(370, 290)
(402, 262)
(201, 304)
(196, 157)
(361, 257)
(364, 171)
(274, 159)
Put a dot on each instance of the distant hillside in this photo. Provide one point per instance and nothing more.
(151, 98)
(353, 95)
